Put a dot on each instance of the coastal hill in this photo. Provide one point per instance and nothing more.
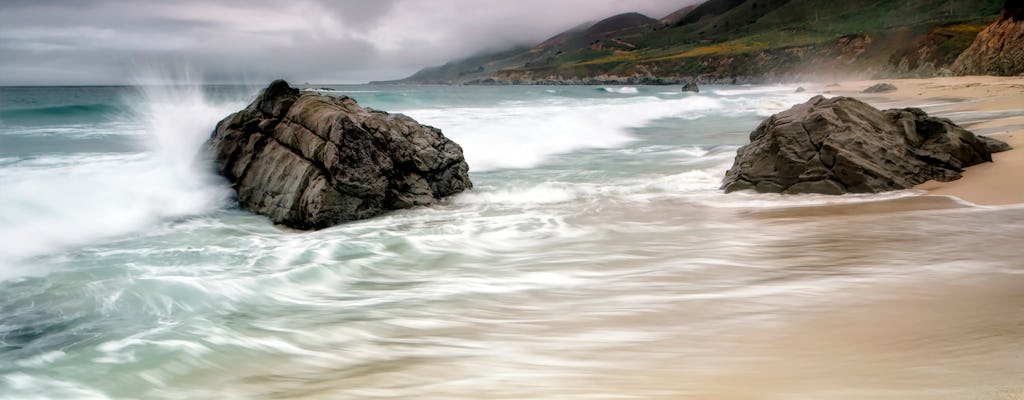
(999, 49)
(740, 41)
(605, 33)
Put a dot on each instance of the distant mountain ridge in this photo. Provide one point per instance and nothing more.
(677, 15)
(610, 29)
(735, 41)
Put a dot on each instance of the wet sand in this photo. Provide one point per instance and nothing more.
(845, 301)
(987, 105)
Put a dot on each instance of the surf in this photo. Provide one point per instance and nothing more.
(65, 199)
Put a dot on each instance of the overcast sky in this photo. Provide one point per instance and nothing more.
(318, 41)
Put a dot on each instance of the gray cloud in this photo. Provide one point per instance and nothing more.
(323, 41)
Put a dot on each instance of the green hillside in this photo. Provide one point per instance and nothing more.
(747, 40)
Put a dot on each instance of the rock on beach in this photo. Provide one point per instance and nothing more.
(843, 145)
(310, 161)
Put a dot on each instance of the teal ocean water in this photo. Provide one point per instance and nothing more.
(595, 259)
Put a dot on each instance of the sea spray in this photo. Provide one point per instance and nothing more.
(55, 201)
(179, 117)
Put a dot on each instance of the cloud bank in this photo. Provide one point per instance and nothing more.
(232, 41)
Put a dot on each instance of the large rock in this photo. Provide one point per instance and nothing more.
(842, 145)
(999, 49)
(309, 161)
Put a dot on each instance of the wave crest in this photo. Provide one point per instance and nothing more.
(73, 199)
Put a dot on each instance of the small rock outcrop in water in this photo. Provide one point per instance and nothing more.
(842, 145)
(880, 88)
(999, 49)
(691, 86)
(309, 161)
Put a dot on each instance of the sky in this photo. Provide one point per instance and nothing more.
(58, 42)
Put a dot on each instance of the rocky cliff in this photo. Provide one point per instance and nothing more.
(309, 161)
(999, 49)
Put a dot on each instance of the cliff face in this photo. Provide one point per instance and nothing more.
(999, 49)
(933, 53)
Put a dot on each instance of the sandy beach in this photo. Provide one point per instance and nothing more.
(986, 105)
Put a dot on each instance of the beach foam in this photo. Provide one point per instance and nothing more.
(524, 136)
(63, 200)
(621, 89)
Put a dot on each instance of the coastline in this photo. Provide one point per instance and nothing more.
(986, 105)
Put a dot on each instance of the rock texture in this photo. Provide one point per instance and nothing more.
(309, 161)
(999, 49)
(842, 145)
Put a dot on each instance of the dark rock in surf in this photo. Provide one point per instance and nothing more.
(309, 161)
(880, 88)
(842, 145)
(691, 86)
(800, 90)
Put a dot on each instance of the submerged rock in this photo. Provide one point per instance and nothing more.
(842, 145)
(691, 86)
(309, 161)
(880, 88)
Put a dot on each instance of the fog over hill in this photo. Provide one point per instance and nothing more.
(110, 41)
(734, 41)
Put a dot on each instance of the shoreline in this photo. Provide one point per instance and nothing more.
(986, 105)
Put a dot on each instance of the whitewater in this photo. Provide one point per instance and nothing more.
(596, 258)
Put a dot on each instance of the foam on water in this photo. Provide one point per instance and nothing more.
(595, 244)
(112, 128)
(747, 90)
(621, 89)
(533, 195)
(51, 202)
(26, 386)
(54, 201)
(525, 136)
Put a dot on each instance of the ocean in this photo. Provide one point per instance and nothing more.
(596, 258)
